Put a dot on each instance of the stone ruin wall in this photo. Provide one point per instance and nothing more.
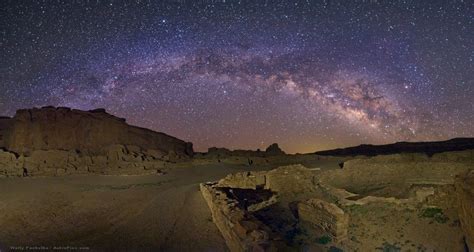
(441, 168)
(118, 159)
(333, 186)
(465, 196)
(241, 231)
(290, 182)
(325, 217)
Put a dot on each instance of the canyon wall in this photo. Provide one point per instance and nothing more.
(55, 141)
(4, 125)
(51, 128)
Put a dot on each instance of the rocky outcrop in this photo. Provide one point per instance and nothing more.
(465, 195)
(274, 150)
(4, 125)
(56, 141)
(90, 132)
(325, 217)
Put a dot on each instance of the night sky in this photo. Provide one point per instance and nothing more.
(310, 75)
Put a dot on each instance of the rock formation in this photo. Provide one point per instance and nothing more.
(55, 141)
(4, 125)
(274, 150)
(51, 128)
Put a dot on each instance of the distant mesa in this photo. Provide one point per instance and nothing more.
(429, 148)
(272, 150)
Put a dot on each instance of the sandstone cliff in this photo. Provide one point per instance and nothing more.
(56, 141)
(4, 124)
(51, 128)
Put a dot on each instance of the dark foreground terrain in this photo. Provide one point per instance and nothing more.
(149, 212)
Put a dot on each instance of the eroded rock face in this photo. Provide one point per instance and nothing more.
(57, 141)
(465, 194)
(51, 128)
(4, 125)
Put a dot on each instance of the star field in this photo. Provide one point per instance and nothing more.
(309, 75)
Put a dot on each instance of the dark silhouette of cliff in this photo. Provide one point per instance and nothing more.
(429, 148)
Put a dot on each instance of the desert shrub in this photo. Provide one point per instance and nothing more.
(335, 249)
(358, 209)
(323, 240)
(434, 213)
(295, 235)
(387, 247)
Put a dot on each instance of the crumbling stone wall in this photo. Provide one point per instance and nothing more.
(286, 179)
(288, 183)
(241, 231)
(117, 159)
(465, 196)
(399, 169)
(325, 217)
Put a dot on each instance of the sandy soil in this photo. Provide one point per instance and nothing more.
(153, 212)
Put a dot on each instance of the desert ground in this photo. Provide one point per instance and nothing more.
(86, 180)
(149, 212)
